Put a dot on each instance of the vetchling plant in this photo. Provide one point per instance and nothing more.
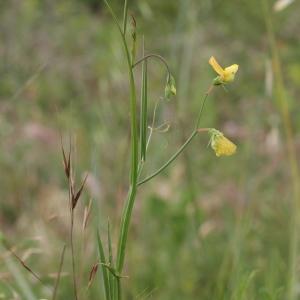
(112, 264)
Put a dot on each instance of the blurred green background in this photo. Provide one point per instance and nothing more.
(208, 227)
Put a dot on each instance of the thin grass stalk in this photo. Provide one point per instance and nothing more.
(72, 244)
(280, 93)
(59, 273)
(118, 294)
(73, 200)
(125, 14)
(84, 242)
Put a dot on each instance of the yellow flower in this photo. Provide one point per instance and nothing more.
(220, 144)
(225, 75)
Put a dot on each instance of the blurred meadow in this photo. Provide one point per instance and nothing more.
(207, 227)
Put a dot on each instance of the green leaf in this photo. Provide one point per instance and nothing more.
(111, 262)
(144, 110)
(104, 270)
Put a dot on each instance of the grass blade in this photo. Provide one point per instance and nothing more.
(111, 262)
(144, 108)
(243, 285)
(114, 17)
(104, 270)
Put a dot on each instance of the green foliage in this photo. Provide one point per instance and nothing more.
(206, 228)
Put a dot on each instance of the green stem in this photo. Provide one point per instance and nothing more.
(125, 13)
(134, 135)
(202, 106)
(126, 215)
(173, 157)
(73, 256)
(154, 56)
(185, 144)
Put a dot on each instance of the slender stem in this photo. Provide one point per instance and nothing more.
(126, 215)
(185, 144)
(116, 19)
(203, 129)
(174, 156)
(73, 255)
(111, 278)
(202, 106)
(125, 13)
(134, 136)
(59, 273)
(119, 290)
(154, 56)
(71, 236)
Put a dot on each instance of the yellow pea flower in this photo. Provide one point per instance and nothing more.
(225, 75)
(220, 144)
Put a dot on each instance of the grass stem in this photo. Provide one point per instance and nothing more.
(153, 55)
(59, 273)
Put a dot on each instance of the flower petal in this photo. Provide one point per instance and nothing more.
(221, 144)
(212, 61)
(232, 69)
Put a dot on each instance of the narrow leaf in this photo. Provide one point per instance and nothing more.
(104, 270)
(133, 35)
(144, 109)
(110, 260)
(115, 17)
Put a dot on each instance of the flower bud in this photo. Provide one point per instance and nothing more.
(170, 89)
